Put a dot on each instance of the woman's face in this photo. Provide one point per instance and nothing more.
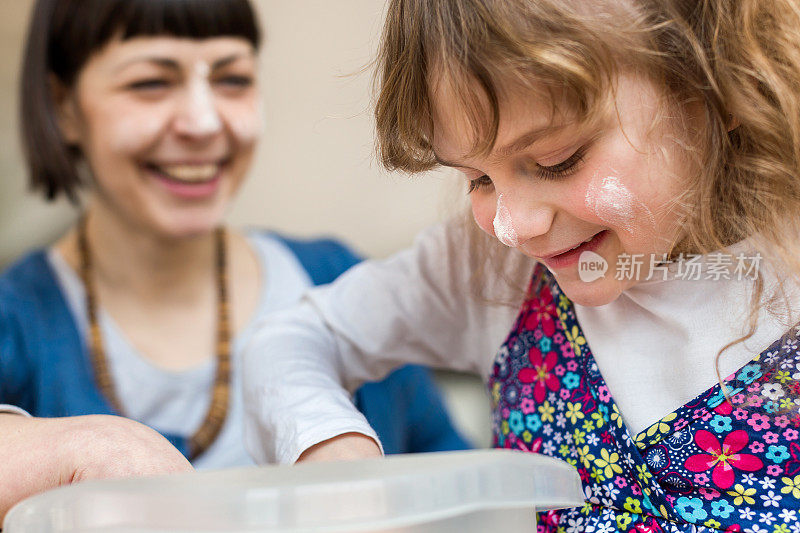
(168, 127)
(573, 199)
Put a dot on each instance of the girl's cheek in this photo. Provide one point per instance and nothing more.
(483, 210)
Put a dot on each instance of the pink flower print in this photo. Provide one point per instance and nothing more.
(757, 447)
(559, 370)
(636, 490)
(558, 338)
(740, 413)
(566, 350)
(535, 446)
(572, 366)
(758, 422)
(527, 405)
(541, 374)
(709, 494)
(790, 434)
(723, 458)
(701, 478)
(565, 394)
(755, 401)
(542, 312)
(782, 421)
(604, 393)
(770, 437)
(527, 390)
(620, 482)
(774, 470)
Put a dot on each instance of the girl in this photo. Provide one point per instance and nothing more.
(150, 108)
(638, 160)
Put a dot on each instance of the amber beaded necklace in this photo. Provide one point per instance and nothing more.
(218, 410)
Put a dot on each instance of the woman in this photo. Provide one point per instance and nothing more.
(150, 107)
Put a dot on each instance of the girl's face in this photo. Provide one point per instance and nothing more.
(573, 199)
(167, 126)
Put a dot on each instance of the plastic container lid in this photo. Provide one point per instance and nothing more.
(435, 492)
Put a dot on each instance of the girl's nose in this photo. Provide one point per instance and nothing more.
(198, 115)
(518, 220)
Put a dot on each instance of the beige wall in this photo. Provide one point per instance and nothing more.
(315, 171)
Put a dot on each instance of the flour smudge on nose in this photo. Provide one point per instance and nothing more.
(503, 225)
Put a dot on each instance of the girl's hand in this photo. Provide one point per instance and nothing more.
(346, 447)
(37, 454)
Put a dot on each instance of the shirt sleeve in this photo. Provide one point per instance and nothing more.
(13, 409)
(415, 307)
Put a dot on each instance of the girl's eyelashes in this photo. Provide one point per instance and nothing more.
(479, 183)
(561, 170)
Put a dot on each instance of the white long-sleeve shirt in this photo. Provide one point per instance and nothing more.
(655, 345)
(416, 307)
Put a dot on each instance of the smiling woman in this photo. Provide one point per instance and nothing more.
(148, 112)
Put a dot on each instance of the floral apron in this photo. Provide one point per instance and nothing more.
(713, 464)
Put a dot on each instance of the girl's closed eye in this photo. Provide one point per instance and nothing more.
(479, 183)
(565, 168)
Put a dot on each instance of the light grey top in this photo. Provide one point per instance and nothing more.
(176, 402)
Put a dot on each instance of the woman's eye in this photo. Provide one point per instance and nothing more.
(149, 84)
(479, 183)
(235, 81)
(563, 169)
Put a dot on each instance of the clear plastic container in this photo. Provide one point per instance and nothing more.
(478, 491)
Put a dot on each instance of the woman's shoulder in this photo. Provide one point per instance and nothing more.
(323, 258)
(29, 277)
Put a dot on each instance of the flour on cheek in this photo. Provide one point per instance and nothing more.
(504, 226)
(615, 204)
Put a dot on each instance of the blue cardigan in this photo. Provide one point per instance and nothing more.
(45, 366)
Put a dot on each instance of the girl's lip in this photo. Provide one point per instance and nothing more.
(571, 257)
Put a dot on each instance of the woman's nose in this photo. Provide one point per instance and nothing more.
(198, 115)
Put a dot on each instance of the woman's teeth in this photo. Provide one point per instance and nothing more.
(190, 173)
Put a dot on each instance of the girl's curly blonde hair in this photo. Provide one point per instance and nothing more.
(736, 61)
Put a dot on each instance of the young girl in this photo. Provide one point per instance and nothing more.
(638, 160)
(150, 108)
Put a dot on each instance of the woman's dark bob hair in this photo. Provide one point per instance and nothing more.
(62, 36)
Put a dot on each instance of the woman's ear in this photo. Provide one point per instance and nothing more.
(66, 108)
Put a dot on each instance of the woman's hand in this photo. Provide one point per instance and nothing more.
(37, 454)
(346, 447)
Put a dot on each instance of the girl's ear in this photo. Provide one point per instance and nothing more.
(67, 115)
(733, 122)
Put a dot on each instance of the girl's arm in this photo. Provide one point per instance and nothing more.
(416, 307)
